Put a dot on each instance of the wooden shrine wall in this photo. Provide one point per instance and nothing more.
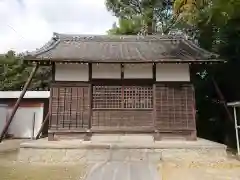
(175, 107)
(171, 108)
(70, 106)
(158, 102)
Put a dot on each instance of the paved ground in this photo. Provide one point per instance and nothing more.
(128, 170)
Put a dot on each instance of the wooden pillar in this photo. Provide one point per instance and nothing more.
(42, 126)
(156, 131)
(192, 136)
(157, 136)
(122, 71)
(88, 135)
(222, 100)
(10, 118)
(51, 136)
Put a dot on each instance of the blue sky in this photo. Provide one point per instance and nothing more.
(28, 24)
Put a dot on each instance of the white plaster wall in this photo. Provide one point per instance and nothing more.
(141, 71)
(71, 72)
(172, 72)
(22, 124)
(3, 115)
(106, 71)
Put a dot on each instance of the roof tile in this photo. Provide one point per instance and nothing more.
(121, 48)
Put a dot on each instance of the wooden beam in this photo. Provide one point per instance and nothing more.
(33, 125)
(129, 61)
(53, 71)
(107, 129)
(222, 99)
(122, 71)
(10, 118)
(42, 126)
(154, 72)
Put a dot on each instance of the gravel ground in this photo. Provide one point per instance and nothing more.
(11, 170)
(29, 172)
(205, 169)
(201, 170)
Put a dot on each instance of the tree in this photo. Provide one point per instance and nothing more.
(189, 10)
(126, 27)
(216, 12)
(14, 74)
(214, 24)
(151, 13)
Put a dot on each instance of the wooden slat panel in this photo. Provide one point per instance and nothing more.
(108, 129)
(70, 107)
(175, 107)
(115, 118)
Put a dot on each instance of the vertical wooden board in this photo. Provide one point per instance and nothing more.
(54, 107)
(175, 107)
(116, 118)
(70, 106)
(74, 108)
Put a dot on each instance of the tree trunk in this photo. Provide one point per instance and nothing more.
(149, 21)
(150, 28)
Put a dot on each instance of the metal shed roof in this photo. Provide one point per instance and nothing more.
(28, 95)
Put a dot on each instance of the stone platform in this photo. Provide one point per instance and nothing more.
(132, 148)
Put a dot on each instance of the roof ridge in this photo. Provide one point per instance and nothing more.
(46, 47)
(193, 45)
(86, 37)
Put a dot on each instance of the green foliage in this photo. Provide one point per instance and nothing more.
(147, 16)
(217, 29)
(14, 74)
(189, 11)
(126, 27)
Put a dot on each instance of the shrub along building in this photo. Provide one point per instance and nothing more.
(121, 84)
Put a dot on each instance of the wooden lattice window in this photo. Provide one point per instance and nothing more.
(107, 97)
(138, 97)
(122, 97)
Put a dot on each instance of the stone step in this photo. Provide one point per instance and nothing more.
(136, 149)
(143, 138)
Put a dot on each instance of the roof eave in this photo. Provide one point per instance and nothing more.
(43, 61)
(195, 47)
(51, 44)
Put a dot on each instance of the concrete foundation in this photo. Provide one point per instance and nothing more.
(77, 151)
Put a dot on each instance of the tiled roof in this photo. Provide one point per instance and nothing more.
(104, 48)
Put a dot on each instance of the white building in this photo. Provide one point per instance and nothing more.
(29, 116)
